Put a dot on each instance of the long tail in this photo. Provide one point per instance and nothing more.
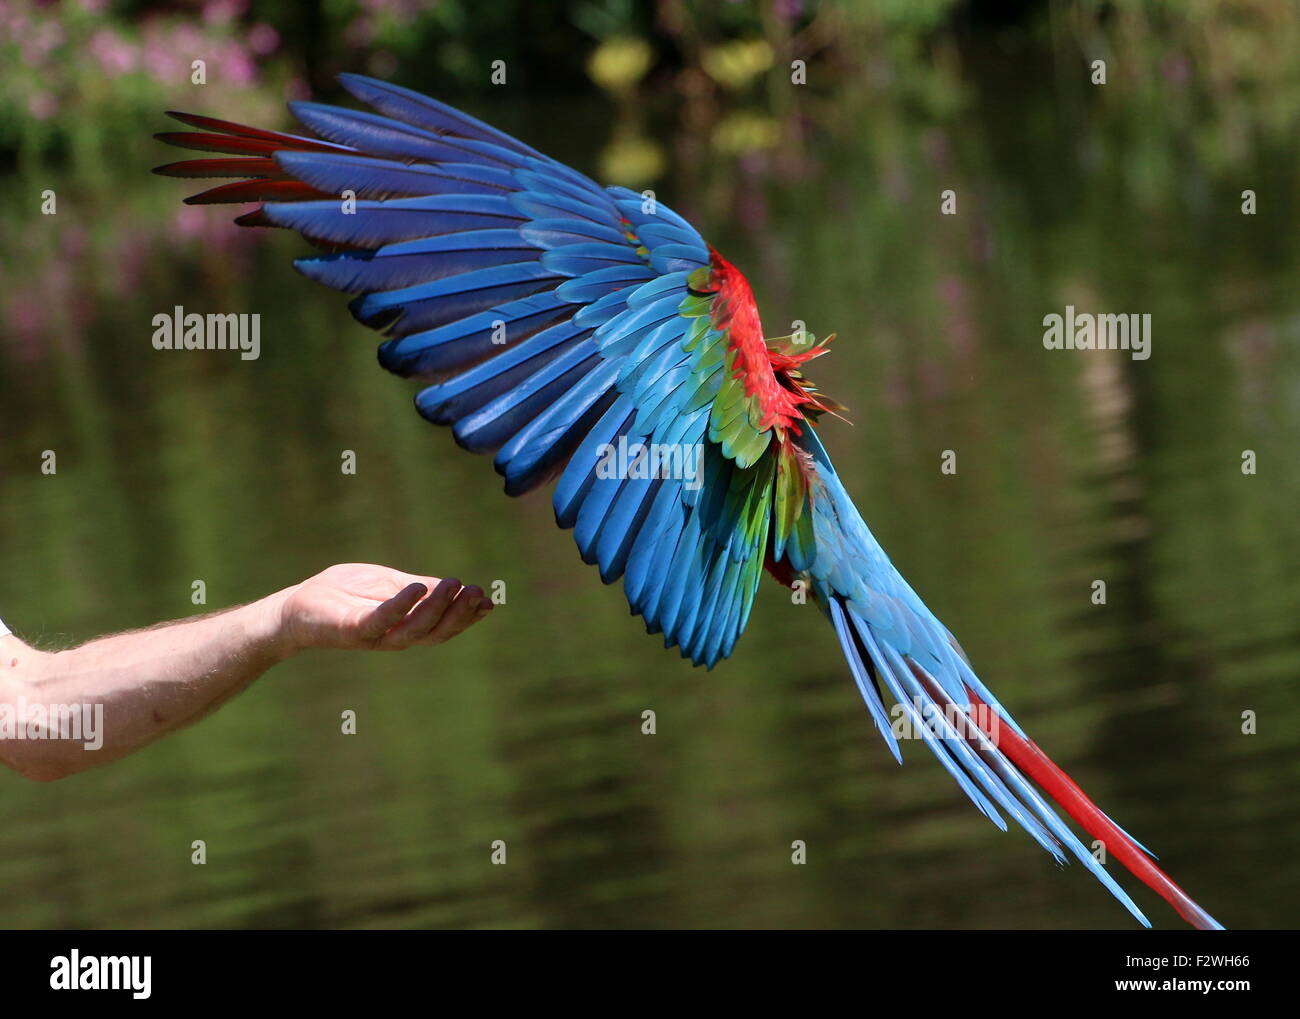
(894, 645)
(1026, 756)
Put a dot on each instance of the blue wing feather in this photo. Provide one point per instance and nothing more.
(368, 177)
(544, 313)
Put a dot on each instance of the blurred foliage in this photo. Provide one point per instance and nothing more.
(90, 69)
(619, 63)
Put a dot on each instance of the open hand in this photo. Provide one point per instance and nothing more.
(365, 607)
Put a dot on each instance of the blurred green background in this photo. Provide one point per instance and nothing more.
(1072, 467)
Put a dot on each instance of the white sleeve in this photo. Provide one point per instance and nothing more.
(4, 629)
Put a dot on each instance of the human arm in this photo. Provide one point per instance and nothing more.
(151, 682)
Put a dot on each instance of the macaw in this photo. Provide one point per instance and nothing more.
(554, 320)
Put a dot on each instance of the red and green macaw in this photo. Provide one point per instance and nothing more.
(555, 320)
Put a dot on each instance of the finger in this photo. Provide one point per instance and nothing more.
(424, 618)
(464, 610)
(390, 613)
(483, 610)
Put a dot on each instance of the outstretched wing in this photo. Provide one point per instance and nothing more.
(566, 327)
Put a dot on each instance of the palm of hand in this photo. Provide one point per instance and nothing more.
(358, 605)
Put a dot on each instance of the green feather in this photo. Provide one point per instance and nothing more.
(791, 495)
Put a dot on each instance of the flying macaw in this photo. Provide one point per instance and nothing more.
(555, 320)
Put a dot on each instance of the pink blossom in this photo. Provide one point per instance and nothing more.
(42, 105)
(74, 240)
(115, 55)
(788, 10)
(220, 12)
(14, 20)
(187, 37)
(48, 36)
(161, 60)
(263, 39)
(237, 66)
(190, 221)
(25, 316)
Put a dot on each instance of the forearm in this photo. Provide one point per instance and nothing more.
(142, 684)
(138, 686)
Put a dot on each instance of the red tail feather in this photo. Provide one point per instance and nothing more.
(1026, 756)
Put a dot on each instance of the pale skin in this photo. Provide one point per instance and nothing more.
(152, 682)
